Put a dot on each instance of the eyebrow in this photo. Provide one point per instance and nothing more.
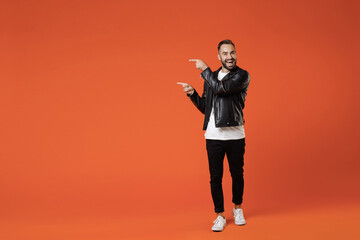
(228, 52)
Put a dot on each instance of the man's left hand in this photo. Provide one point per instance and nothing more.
(199, 64)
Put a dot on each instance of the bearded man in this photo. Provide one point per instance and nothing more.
(222, 103)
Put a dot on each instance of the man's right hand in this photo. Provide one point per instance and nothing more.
(187, 88)
(199, 64)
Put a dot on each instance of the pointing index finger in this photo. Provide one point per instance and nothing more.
(181, 83)
(193, 60)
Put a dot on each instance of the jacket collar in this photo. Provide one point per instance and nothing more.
(232, 71)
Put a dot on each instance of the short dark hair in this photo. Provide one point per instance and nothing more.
(226, 41)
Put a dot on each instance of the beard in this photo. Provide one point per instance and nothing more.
(229, 64)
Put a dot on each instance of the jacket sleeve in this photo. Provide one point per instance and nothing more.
(234, 84)
(198, 101)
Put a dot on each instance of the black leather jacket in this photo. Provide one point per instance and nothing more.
(227, 95)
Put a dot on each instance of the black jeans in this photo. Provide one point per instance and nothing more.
(234, 150)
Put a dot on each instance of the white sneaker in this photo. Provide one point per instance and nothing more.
(219, 224)
(239, 216)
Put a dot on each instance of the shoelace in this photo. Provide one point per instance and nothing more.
(238, 214)
(218, 222)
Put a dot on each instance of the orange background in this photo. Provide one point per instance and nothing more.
(96, 133)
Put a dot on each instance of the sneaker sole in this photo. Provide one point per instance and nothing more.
(240, 224)
(218, 230)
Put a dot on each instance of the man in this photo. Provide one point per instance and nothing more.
(222, 103)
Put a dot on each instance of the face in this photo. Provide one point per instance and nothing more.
(227, 56)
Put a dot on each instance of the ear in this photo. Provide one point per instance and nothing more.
(219, 57)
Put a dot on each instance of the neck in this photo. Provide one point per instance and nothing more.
(224, 70)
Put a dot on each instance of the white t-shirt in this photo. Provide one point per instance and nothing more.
(223, 133)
